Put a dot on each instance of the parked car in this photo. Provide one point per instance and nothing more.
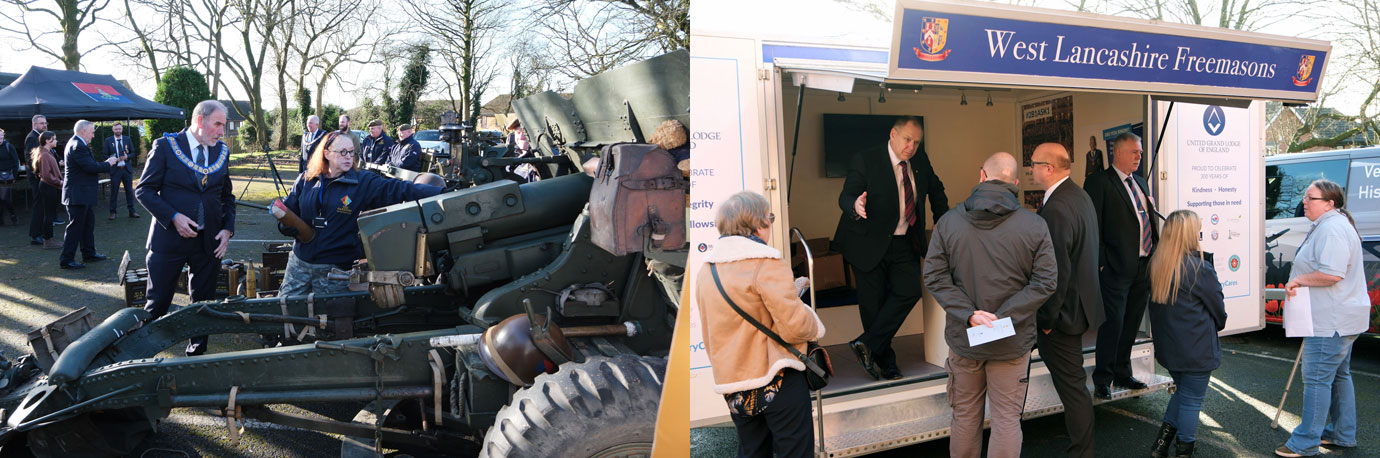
(1286, 178)
(431, 139)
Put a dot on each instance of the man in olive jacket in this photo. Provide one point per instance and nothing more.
(990, 259)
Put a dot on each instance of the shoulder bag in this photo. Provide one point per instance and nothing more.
(815, 358)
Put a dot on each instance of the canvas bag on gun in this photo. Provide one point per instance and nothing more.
(637, 190)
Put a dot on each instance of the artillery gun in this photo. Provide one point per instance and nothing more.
(483, 321)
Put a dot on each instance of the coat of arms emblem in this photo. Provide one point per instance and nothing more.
(935, 35)
(1305, 73)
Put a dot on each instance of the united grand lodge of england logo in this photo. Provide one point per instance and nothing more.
(1305, 73)
(936, 34)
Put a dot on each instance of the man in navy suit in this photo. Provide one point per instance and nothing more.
(1076, 305)
(882, 234)
(79, 195)
(186, 187)
(1128, 234)
(118, 146)
(310, 139)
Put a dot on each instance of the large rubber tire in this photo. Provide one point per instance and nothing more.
(602, 407)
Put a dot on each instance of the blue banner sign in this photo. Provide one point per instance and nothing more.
(1155, 60)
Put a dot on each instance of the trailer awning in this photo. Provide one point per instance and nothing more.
(825, 75)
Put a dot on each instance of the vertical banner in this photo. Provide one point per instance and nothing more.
(722, 92)
(1216, 161)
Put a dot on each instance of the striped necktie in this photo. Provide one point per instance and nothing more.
(1141, 215)
(909, 195)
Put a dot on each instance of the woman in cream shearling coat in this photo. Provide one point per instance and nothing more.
(762, 382)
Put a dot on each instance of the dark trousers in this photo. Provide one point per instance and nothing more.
(163, 271)
(1125, 306)
(116, 179)
(7, 202)
(81, 232)
(886, 295)
(36, 225)
(1063, 356)
(785, 428)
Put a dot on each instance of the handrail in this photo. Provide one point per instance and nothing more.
(819, 398)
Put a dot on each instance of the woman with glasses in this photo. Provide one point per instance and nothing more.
(1330, 265)
(762, 382)
(329, 196)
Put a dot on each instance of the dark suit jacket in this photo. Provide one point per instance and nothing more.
(863, 242)
(1119, 250)
(82, 174)
(168, 187)
(1076, 304)
(309, 143)
(30, 142)
(125, 148)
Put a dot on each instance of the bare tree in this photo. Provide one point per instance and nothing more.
(1354, 28)
(593, 40)
(256, 25)
(346, 44)
(665, 23)
(1229, 14)
(38, 20)
(176, 32)
(464, 31)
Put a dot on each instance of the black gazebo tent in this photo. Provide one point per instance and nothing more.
(61, 94)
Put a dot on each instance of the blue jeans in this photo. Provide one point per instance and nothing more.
(1182, 412)
(1329, 398)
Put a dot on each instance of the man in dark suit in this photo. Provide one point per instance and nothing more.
(39, 124)
(1076, 305)
(882, 235)
(79, 195)
(310, 139)
(186, 187)
(118, 147)
(1128, 233)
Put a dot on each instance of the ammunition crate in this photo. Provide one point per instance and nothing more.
(136, 287)
(49, 340)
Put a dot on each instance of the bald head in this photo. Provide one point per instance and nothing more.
(1054, 154)
(1000, 166)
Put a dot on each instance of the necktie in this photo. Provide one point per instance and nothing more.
(909, 195)
(201, 155)
(117, 146)
(1141, 215)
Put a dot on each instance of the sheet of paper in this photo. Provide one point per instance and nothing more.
(981, 334)
(1298, 314)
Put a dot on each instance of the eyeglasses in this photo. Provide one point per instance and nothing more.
(343, 152)
(1312, 198)
(1035, 163)
(771, 218)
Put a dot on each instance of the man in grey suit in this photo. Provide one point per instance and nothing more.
(119, 147)
(79, 195)
(1076, 305)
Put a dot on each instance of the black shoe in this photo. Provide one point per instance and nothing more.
(1130, 383)
(36, 241)
(71, 265)
(132, 214)
(864, 357)
(59, 222)
(1103, 391)
(891, 372)
(1183, 450)
(1163, 440)
(95, 257)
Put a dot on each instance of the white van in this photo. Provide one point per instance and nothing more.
(983, 78)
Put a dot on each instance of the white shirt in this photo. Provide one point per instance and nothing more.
(896, 172)
(191, 149)
(1050, 190)
(1144, 218)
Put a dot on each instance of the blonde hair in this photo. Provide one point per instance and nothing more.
(1178, 239)
(743, 214)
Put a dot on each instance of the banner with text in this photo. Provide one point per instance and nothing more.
(1214, 151)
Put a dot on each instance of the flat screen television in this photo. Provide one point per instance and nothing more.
(846, 134)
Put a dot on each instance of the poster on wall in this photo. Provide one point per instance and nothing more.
(1214, 160)
(1095, 160)
(1046, 121)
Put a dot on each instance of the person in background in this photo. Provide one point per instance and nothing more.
(1330, 265)
(1186, 312)
(343, 123)
(407, 153)
(377, 145)
(118, 146)
(310, 138)
(990, 259)
(79, 194)
(49, 189)
(9, 168)
(330, 197)
(36, 216)
(762, 382)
